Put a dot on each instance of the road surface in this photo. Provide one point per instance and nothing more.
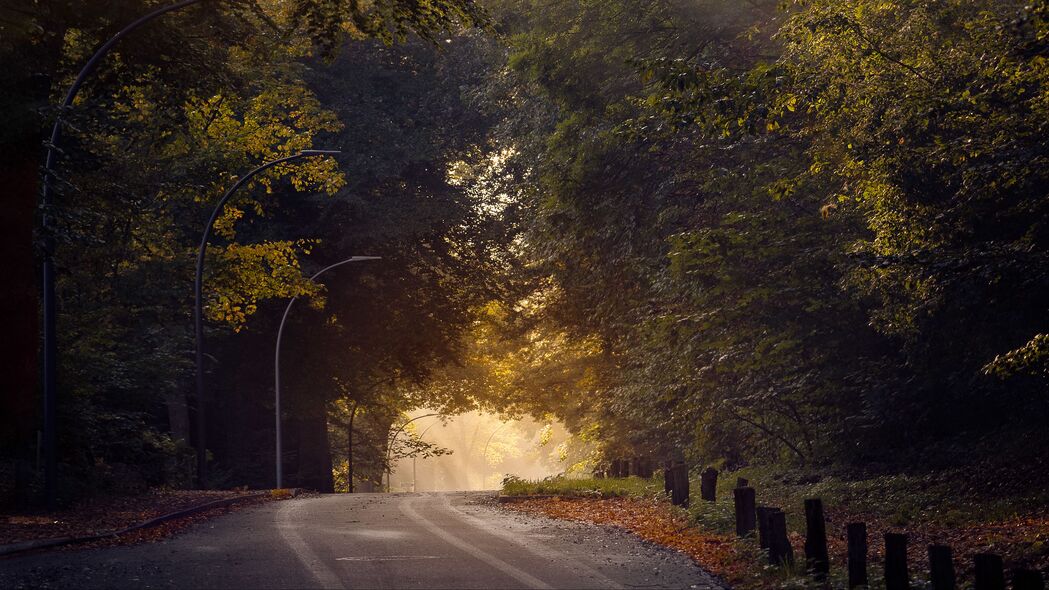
(435, 540)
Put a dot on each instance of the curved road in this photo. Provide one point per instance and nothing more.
(371, 541)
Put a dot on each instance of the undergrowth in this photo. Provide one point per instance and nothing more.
(953, 507)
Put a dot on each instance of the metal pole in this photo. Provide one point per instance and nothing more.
(421, 434)
(198, 305)
(276, 365)
(389, 447)
(484, 455)
(50, 306)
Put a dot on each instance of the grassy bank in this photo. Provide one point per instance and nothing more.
(954, 508)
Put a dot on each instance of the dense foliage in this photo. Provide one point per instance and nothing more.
(805, 231)
(170, 120)
(812, 231)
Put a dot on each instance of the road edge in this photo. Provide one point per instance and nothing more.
(37, 544)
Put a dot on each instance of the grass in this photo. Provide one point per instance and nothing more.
(582, 488)
(946, 498)
(964, 508)
(943, 499)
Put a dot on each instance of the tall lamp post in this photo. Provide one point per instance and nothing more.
(198, 307)
(421, 435)
(484, 455)
(50, 306)
(276, 364)
(393, 439)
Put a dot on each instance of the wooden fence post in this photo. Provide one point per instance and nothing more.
(745, 510)
(708, 484)
(816, 538)
(990, 573)
(856, 533)
(645, 469)
(896, 575)
(941, 568)
(764, 533)
(780, 551)
(1028, 580)
(680, 492)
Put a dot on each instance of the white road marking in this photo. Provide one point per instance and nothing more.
(515, 573)
(389, 557)
(289, 532)
(606, 582)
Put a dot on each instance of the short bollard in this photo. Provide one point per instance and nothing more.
(764, 533)
(780, 551)
(680, 493)
(1024, 579)
(708, 484)
(941, 568)
(896, 576)
(856, 534)
(990, 572)
(816, 539)
(745, 510)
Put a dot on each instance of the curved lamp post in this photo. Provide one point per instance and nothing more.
(421, 435)
(276, 363)
(484, 455)
(50, 307)
(198, 303)
(389, 447)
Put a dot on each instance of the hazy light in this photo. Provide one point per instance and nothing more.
(484, 450)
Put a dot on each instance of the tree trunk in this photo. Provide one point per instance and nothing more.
(18, 300)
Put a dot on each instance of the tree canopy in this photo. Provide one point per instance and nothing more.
(805, 231)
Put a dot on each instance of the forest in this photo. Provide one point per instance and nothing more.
(802, 233)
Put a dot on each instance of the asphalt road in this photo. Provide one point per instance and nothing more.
(370, 541)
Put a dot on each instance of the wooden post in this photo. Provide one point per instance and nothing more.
(990, 573)
(745, 510)
(741, 482)
(816, 539)
(896, 575)
(1028, 580)
(856, 533)
(780, 551)
(708, 484)
(668, 478)
(645, 469)
(680, 493)
(764, 533)
(941, 568)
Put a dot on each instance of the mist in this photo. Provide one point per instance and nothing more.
(484, 449)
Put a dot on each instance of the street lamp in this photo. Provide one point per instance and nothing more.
(421, 435)
(484, 455)
(198, 307)
(276, 363)
(389, 447)
(50, 306)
